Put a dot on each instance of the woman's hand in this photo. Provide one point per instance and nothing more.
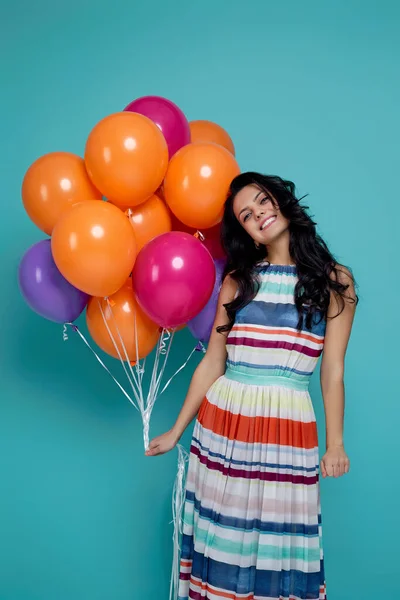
(335, 462)
(162, 444)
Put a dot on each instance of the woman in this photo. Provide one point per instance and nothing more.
(252, 526)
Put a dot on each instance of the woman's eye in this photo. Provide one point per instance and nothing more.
(246, 217)
(264, 200)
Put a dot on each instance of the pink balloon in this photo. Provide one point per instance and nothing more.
(173, 278)
(167, 116)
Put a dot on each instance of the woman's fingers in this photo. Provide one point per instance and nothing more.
(161, 444)
(334, 466)
(329, 469)
(153, 448)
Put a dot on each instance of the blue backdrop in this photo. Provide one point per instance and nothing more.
(308, 90)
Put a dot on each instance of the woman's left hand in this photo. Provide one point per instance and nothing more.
(335, 462)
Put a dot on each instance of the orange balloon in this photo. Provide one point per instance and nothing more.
(94, 247)
(150, 219)
(126, 156)
(120, 313)
(207, 131)
(197, 183)
(54, 183)
(176, 225)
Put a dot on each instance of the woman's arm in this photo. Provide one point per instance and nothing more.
(208, 371)
(335, 461)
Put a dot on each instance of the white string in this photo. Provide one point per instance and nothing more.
(143, 405)
(163, 349)
(199, 235)
(165, 337)
(136, 380)
(75, 328)
(131, 382)
(178, 371)
(178, 503)
(165, 352)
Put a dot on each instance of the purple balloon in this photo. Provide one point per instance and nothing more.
(167, 116)
(201, 325)
(45, 290)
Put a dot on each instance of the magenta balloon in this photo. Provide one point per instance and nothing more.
(167, 116)
(173, 278)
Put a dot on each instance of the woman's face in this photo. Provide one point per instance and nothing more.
(259, 214)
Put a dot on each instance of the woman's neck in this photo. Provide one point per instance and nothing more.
(278, 251)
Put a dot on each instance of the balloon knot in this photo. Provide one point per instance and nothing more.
(200, 347)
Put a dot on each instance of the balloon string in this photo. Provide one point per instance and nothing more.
(200, 347)
(136, 380)
(75, 328)
(65, 333)
(165, 336)
(160, 363)
(155, 369)
(178, 503)
(199, 235)
(166, 339)
(143, 405)
(160, 350)
(127, 359)
(195, 349)
(140, 369)
(131, 381)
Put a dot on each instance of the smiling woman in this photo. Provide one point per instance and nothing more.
(252, 525)
(258, 211)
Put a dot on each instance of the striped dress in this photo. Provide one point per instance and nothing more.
(252, 525)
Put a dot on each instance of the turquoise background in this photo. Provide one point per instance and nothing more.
(308, 90)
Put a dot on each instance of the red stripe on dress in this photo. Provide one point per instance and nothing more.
(231, 471)
(303, 336)
(220, 594)
(257, 430)
(279, 344)
(186, 563)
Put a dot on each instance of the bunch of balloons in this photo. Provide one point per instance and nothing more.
(122, 222)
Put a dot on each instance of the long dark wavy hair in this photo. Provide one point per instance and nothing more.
(316, 267)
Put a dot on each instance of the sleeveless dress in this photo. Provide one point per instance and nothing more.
(252, 524)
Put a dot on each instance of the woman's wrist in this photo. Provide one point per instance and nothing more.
(335, 443)
(177, 433)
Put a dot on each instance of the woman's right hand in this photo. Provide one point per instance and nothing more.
(162, 444)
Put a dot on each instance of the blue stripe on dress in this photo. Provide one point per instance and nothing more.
(252, 464)
(245, 580)
(293, 529)
(271, 314)
(280, 368)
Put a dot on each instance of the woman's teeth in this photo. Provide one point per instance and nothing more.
(268, 222)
